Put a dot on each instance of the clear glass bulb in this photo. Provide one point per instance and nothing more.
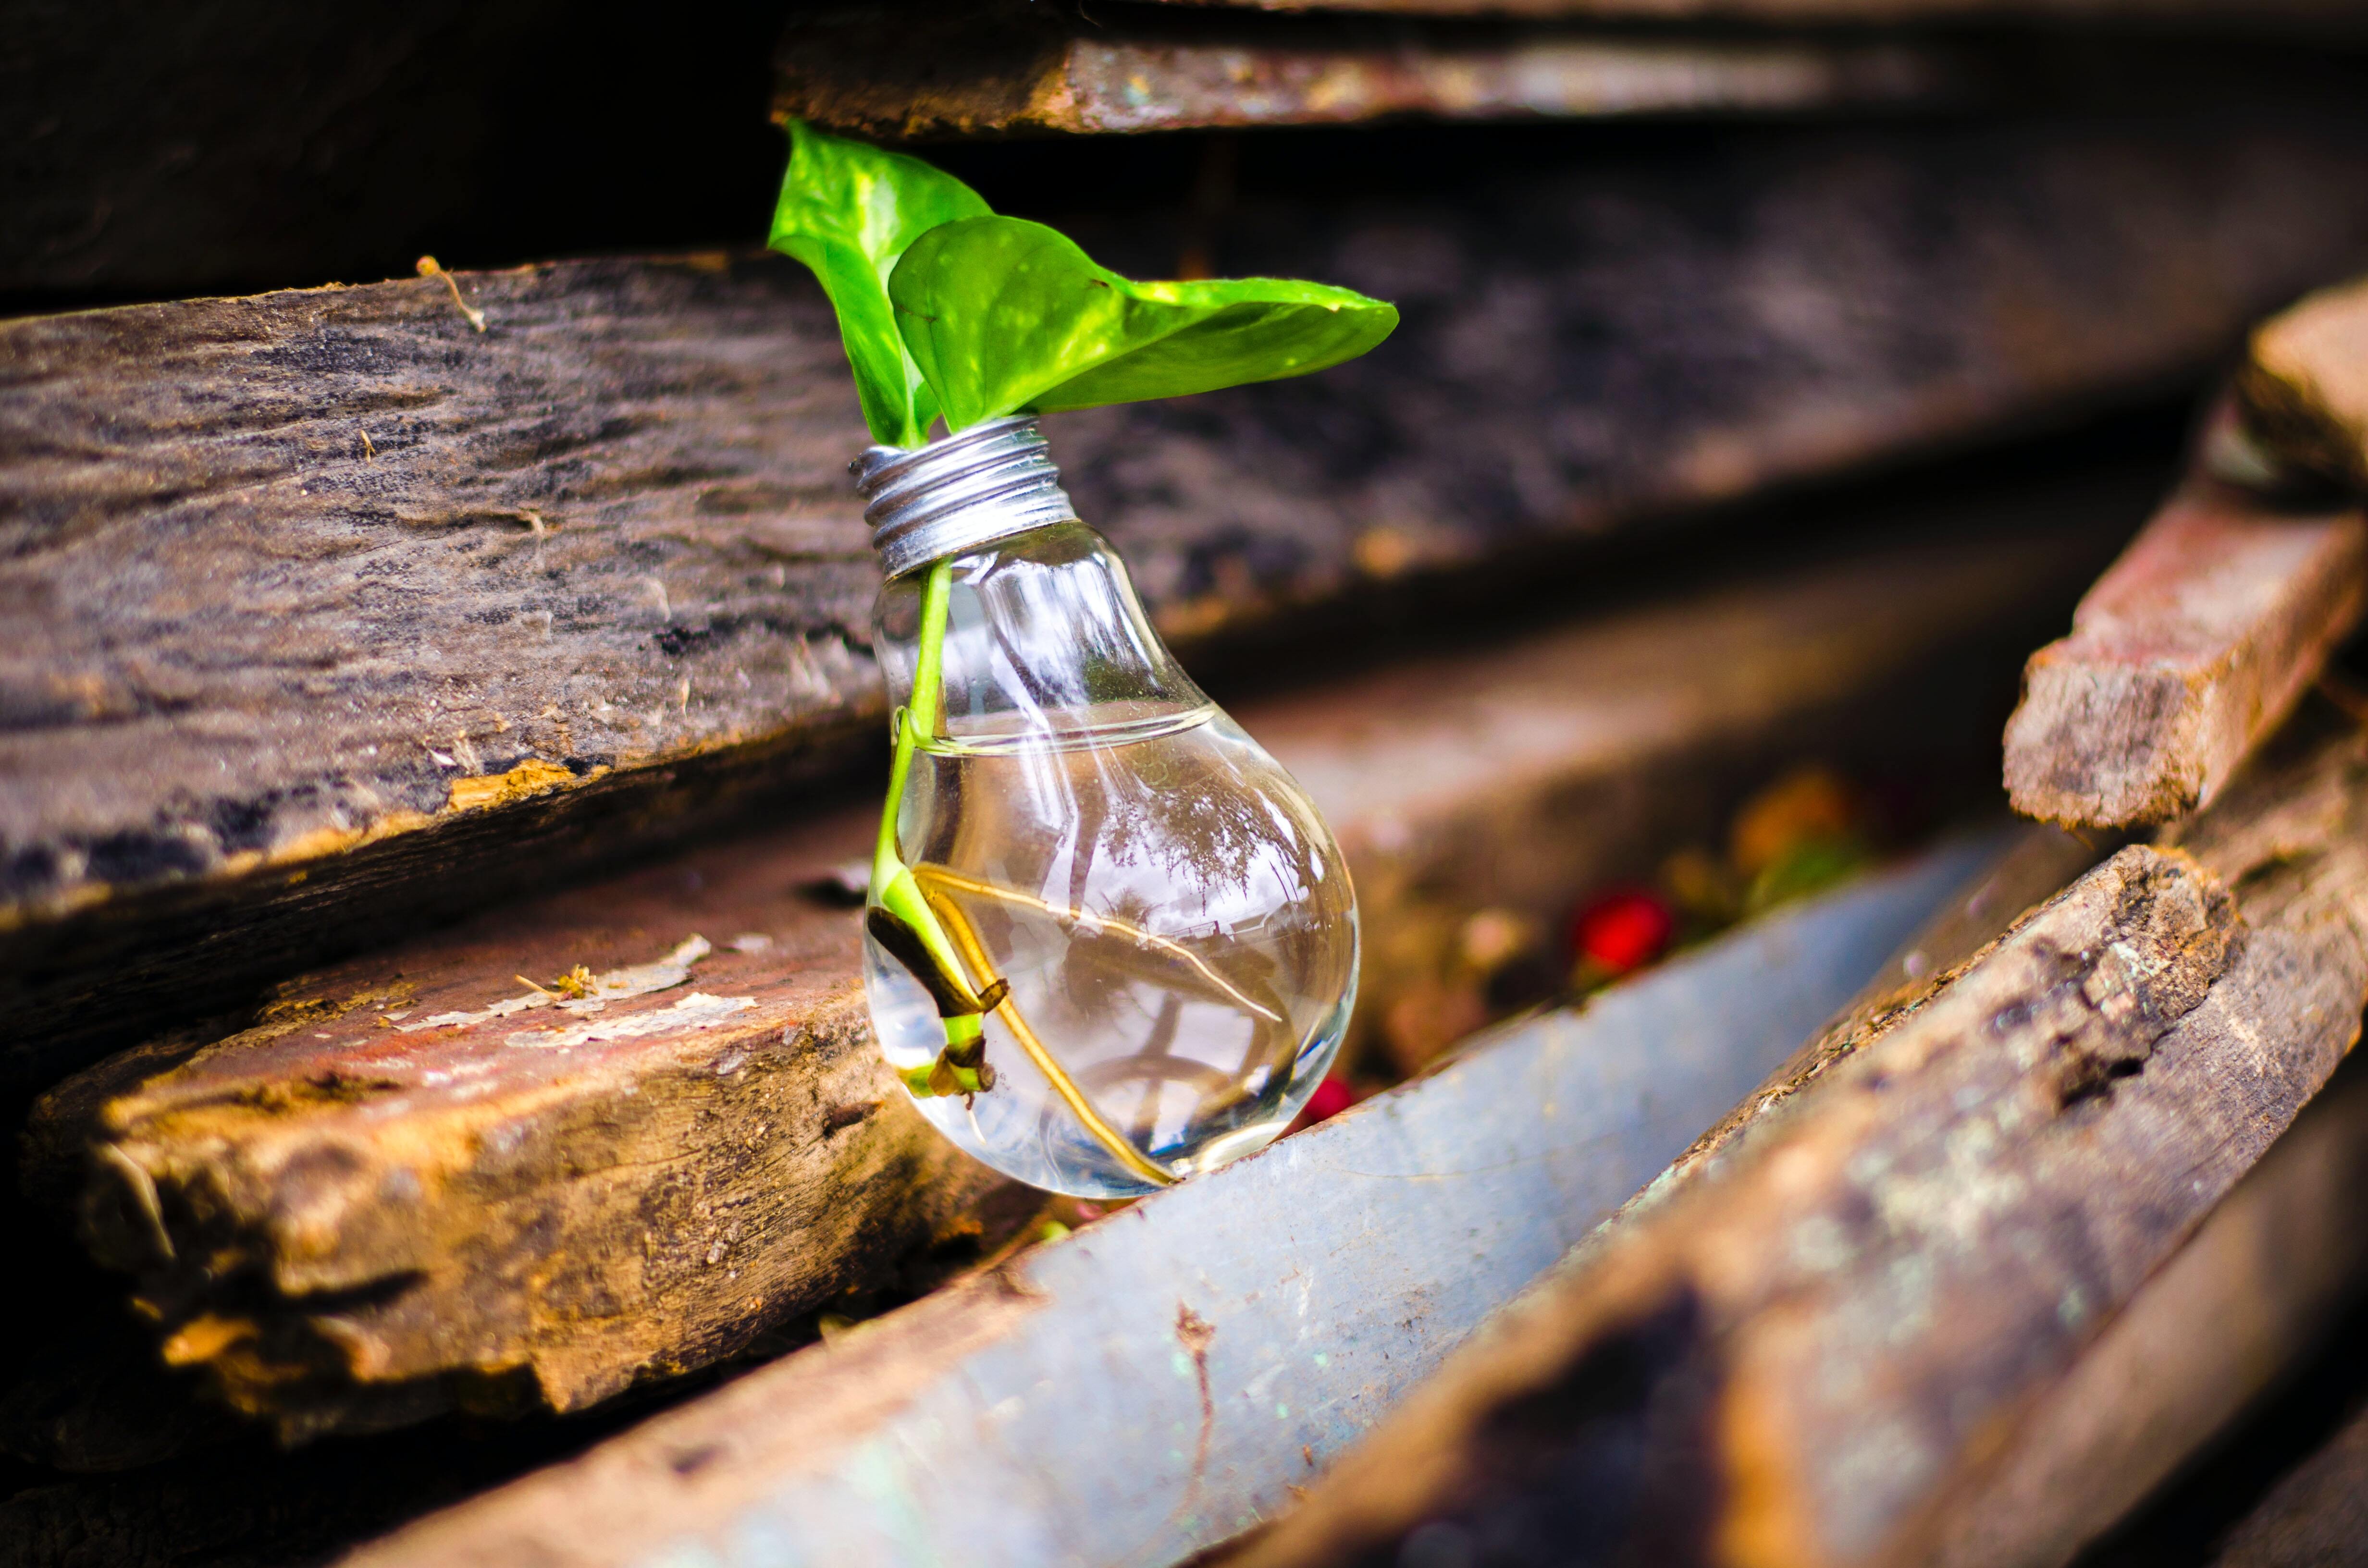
(1171, 915)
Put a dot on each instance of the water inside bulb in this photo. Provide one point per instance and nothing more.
(1168, 912)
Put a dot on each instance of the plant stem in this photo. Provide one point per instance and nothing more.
(1083, 1107)
(929, 873)
(892, 881)
(902, 894)
(921, 715)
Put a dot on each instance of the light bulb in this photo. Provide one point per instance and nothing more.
(1152, 933)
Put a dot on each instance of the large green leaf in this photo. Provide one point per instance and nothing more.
(848, 210)
(1004, 315)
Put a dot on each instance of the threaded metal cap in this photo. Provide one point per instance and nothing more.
(990, 482)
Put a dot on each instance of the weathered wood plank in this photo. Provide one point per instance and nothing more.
(1799, 1360)
(2264, 1280)
(2188, 652)
(2267, 1269)
(1043, 67)
(1162, 1378)
(1816, 11)
(270, 561)
(2303, 388)
(309, 593)
(2039, 864)
(494, 1217)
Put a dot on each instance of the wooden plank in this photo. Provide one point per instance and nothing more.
(495, 1218)
(2226, 1320)
(314, 594)
(2041, 862)
(2303, 388)
(1156, 1381)
(1043, 68)
(1801, 1358)
(2188, 652)
(1806, 12)
(2269, 1269)
(238, 641)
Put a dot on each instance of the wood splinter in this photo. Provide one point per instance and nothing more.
(430, 267)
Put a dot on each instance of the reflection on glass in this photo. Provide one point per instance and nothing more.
(1153, 914)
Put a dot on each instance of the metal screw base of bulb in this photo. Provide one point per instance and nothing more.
(987, 482)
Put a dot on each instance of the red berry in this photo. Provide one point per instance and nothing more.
(1623, 930)
(1331, 1097)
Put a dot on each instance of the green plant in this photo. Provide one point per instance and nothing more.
(1003, 316)
(948, 311)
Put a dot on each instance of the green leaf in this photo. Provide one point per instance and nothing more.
(848, 210)
(1004, 315)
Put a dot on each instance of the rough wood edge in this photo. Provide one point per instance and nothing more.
(2042, 861)
(2302, 393)
(2225, 1320)
(2149, 708)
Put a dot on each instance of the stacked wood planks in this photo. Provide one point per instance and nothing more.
(1898, 1308)
(371, 656)
(494, 1191)
(326, 613)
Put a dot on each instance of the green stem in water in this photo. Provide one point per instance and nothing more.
(919, 717)
(901, 894)
(898, 893)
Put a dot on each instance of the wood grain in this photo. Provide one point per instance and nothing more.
(345, 1217)
(2227, 1320)
(1801, 1358)
(316, 596)
(2303, 387)
(2041, 862)
(2188, 652)
(288, 669)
